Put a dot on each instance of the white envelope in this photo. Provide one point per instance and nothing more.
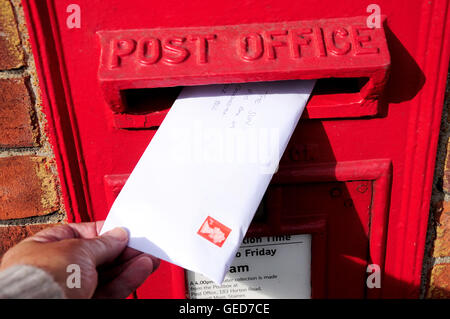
(192, 195)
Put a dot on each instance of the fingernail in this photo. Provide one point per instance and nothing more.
(118, 233)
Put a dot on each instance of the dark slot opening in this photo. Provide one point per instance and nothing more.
(339, 86)
(261, 212)
(143, 101)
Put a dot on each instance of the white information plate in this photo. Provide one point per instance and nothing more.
(264, 267)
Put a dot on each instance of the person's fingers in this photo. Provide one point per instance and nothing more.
(130, 253)
(129, 279)
(53, 234)
(87, 230)
(111, 271)
(107, 247)
(68, 231)
(99, 225)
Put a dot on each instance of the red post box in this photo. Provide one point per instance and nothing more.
(357, 173)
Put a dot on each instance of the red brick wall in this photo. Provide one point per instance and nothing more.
(436, 274)
(29, 191)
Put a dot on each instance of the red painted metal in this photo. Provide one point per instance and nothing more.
(358, 170)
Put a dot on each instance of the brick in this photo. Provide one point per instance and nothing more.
(27, 187)
(446, 177)
(18, 127)
(11, 52)
(11, 235)
(442, 241)
(439, 287)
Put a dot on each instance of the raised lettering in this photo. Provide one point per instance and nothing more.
(336, 44)
(319, 40)
(148, 50)
(177, 53)
(202, 46)
(296, 40)
(119, 49)
(358, 41)
(250, 46)
(271, 43)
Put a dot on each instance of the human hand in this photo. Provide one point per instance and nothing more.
(108, 268)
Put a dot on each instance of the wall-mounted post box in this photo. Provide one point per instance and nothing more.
(356, 176)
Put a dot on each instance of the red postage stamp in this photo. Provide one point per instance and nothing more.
(214, 231)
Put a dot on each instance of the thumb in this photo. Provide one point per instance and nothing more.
(107, 247)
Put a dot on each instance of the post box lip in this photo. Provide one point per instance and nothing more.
(238, 77)
(150, 116)
(154, 115)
